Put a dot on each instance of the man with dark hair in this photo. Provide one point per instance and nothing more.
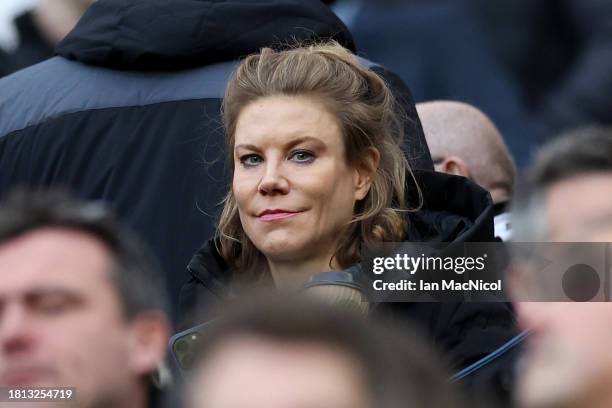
(567, 199)
(286, 353)
(82, 303)
(569, 182)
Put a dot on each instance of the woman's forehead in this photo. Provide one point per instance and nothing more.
(284, 119)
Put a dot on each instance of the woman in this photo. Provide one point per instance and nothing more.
(314, 141)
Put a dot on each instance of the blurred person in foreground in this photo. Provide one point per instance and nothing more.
(567, 199)
(282, 353)
(464, 141)
(40, 29)
(81, 303)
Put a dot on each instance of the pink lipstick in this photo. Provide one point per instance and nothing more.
(272, 215)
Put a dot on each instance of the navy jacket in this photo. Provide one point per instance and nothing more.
(129, 110)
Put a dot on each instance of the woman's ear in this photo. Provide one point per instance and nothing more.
(365, 171)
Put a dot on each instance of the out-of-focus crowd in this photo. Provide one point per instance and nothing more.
(188, 188)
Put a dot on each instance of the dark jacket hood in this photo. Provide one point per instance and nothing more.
(169, 35)
(454, 209)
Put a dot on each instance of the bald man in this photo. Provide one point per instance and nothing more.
(464, 141)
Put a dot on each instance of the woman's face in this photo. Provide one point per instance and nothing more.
(294, 188)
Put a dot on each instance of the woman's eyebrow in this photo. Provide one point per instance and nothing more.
(304, 139)
(288, 145)
(246, 146)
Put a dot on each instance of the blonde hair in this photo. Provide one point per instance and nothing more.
(369, 117)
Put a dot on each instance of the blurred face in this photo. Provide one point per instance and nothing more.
(61, 323)
(569, 360)
(294, 188)
(579, 209)
(261, 373)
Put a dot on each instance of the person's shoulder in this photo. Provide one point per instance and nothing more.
(59, 86)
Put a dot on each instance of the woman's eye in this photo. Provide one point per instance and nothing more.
(250, 160)
(302, 157)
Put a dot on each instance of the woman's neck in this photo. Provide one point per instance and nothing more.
(290, 275)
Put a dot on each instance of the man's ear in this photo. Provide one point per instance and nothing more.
(454, 165)
(149, 335)
(365, 171)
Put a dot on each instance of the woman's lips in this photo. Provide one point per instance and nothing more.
(277, 215)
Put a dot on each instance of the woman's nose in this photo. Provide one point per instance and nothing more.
(273, 180)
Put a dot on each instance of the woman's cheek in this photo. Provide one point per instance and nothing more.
(240, 190)
(319, 183)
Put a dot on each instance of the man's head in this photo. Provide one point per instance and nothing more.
(81, 302)
(567, 199)
(569, 184)
(463, 141)
(289, 354)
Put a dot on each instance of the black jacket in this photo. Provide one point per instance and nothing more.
(455, 210)
(129, 110)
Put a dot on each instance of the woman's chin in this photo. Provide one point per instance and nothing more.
(283, 250)
(282, 254)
